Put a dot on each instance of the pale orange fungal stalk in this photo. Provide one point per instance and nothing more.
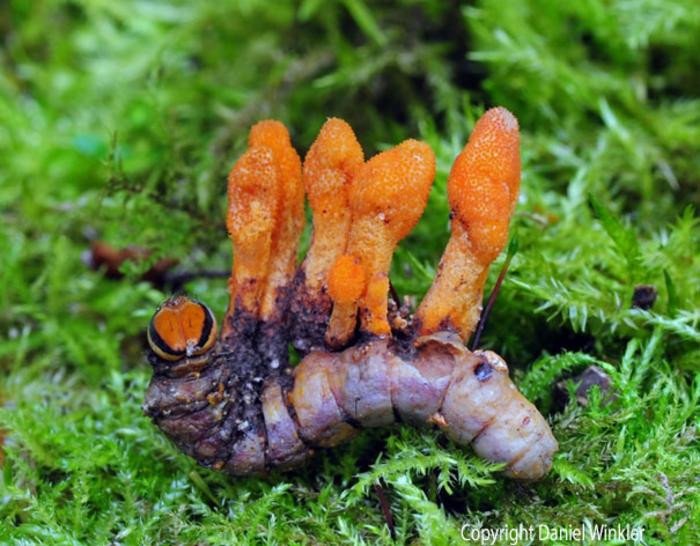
(328, 172)
(374, 316)
(289, 215)
(253, 197)
(482, 188)
(346, 281)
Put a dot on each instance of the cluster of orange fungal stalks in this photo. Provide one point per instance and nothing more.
(246, 410)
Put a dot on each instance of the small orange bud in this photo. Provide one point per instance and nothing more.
(346, 281)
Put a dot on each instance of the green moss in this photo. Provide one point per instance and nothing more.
(122, 119)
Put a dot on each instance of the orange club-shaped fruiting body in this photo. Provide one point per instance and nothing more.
(265, 220)
(387, 197)
(482, 189)
(329, 171)
(328, 174)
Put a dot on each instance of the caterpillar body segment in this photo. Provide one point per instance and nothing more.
(238, 406)
(468, 395)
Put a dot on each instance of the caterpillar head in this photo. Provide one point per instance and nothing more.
(181, 335)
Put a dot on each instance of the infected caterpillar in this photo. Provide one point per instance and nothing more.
(237, 405)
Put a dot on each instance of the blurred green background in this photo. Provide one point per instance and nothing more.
(120, 120)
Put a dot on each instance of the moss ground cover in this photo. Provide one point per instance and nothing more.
(121, 119)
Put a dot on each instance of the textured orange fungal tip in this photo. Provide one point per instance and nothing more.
(394, 185)
(346, 281)
(484, 182)
(273, 135)
(328, 172)
(482, 189)
(330, 162)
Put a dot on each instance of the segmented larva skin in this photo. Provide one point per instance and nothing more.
(468, 395)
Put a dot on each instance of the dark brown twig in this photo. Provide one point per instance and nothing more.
(175, 281)
(380, 491)
(394, 294)
(512, 250)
